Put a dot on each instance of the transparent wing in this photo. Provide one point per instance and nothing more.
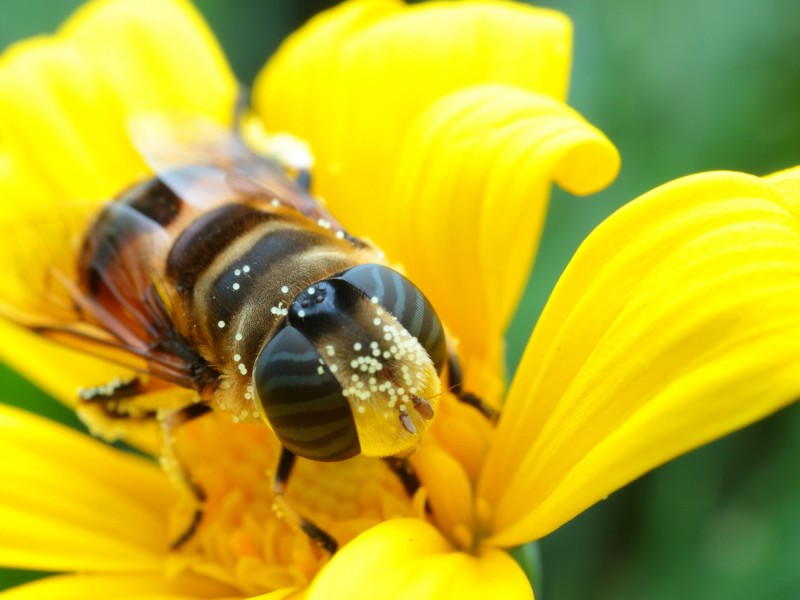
(206, 164)
(86, 275)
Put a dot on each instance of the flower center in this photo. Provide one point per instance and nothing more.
(241, 539)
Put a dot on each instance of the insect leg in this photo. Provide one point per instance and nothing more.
(456, 384)
(405, 472)
(114, 398)
(169, 423)
(284, 470)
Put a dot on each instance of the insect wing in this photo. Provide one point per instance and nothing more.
(87, 276)
(207, 164)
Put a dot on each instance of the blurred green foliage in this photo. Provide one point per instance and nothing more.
(680, 86)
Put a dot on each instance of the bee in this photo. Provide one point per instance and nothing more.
(222, 274)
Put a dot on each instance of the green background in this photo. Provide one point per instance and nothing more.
(680, 86)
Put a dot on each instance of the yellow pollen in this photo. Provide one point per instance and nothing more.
(241, 540)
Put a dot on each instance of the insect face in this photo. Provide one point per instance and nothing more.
(355, 367)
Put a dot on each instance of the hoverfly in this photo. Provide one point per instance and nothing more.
(221, 274)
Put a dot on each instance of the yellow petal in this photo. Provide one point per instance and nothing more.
(449, 491)
(353, 80)
(787, 182)
(407, 558)
(65, 99)
(69, 502)
(675, 323)
(470, 198)
(288, 594)
(118, 587)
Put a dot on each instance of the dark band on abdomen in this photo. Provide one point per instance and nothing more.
(280, 244)
(206, 237)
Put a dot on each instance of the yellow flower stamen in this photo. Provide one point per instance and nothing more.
(242, 539)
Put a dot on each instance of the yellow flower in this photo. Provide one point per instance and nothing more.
(436, 131)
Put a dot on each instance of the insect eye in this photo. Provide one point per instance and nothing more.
(302, 400)
(406, 302)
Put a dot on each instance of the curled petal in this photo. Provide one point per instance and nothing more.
(407, 558)
(353, 81)
(470, 199)
(68, 502)
(675, 323)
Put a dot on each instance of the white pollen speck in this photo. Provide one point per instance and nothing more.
(340, 235)
(248, 396)
(320, 370)
(374, 299)
(236, 286)
(242, 369)
(357, 346)
(311, 290)
(246, 268)
(285, 289)
(275, 202)
(301, 313)
(237, 272)
(237, 357)
(330, 350)
(238, 337)
(221, 324)
(333, 368)
(376, 321)
(362, 409)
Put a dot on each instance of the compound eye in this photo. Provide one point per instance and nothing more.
(302, 400)
(406, 302)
